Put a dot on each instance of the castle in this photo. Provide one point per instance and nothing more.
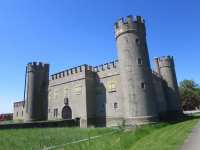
(124, 91)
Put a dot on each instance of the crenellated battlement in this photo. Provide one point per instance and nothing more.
(165, 61)
(32, 66)
(19, 104)
(83, 68)
(106, 66)
(71, 71)
(165, 58)
(128, 24)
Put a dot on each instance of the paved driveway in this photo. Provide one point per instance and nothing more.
(193, 142)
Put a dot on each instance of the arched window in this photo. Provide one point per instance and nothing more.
(66, 112)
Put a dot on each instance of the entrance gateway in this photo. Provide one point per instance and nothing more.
(66, 112)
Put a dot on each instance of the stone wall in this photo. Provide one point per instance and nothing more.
(19, 111)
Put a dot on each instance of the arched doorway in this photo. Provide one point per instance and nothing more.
(66, 112)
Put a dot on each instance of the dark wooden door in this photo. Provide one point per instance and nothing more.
(66, 112)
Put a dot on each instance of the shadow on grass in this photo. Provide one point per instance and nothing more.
(181, 118)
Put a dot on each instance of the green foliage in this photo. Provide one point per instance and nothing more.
(190, 94)
(188, 84)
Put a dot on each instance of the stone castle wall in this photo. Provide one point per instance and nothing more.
(19, 111)
(117, 92)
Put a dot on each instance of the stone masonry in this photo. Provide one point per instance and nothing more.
(125, 91)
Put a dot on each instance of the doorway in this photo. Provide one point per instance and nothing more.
(66, 112)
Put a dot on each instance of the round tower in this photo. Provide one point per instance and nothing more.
(36, 101)
(135, 70)
(168, 73)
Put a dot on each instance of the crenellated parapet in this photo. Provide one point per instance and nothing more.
(106, 66)
(19, 104)
(165, 61)
(71, 72)
(83, 68)
(129, 24)
(36, 66)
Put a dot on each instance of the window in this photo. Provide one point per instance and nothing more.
(143, 86)
(112, 86)
(115, 105)
(138, 41)
(55, 112)
(22, 113)
(78, 90)
(49, 110)
(17, 114)
(140, 61)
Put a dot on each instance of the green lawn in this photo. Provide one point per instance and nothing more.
(160, 136)
(38, 138)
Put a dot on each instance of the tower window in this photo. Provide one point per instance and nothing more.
(111, 86)
(115, 105)
(138, 42)
(78, 90)
(143, 86)
(22, 113)
(140, 61)
(17, 114)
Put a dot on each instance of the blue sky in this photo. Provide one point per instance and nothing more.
(67, 33)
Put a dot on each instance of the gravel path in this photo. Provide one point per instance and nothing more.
(193, 141)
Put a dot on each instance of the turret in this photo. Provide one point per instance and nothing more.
(135, 71)
(36, 100)
(166, 69)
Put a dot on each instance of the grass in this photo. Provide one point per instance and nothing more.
(38, 138)
(160, 136)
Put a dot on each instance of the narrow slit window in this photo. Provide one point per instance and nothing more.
(138, 41)
(143, 86)
(140, 61)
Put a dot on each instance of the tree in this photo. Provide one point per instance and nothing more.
(188, 84)
(189, 94)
